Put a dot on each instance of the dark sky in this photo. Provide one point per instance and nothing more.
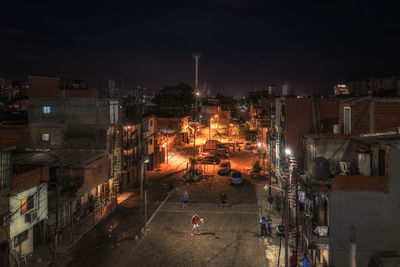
(245, 44)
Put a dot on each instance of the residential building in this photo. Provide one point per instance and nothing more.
(28, 209)
(5, 178)
(66, 113)
(388, 86)
(369, 114)
(86, 191)
(149, 141)
(363, 208)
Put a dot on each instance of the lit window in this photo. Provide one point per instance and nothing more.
(27, 204)
(46, 109)
(45, 137)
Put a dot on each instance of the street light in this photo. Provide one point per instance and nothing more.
(288, 151)
(196, 57)
(143, 161)
(268, 187)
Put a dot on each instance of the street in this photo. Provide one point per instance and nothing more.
(230, 235)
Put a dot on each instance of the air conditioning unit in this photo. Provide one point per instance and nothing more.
(31, 216)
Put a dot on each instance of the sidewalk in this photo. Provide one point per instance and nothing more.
(43, 255)
(271, 244)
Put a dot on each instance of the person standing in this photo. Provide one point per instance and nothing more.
(293, 259)
(224, 198)
(185, 200)
(263, 226)
(305, 261)
(269, 224)
(270, 201)
(195, 223)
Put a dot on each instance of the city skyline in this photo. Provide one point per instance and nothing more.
(245, 45)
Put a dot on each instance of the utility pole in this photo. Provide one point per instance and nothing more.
(167, 146)
(352, 247)
(196, 92)
(297, 211)
(287, 207)
(58, 179)
(194, 149)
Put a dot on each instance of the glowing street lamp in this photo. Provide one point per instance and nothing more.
(288, 152)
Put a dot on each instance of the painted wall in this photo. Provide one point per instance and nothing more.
(375, 216)
(18, 224)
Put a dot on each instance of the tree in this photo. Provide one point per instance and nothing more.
(180, 95)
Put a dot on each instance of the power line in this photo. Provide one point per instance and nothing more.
(356, 123)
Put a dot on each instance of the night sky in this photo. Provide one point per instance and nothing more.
(246, 45)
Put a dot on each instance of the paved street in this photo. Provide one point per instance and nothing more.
(229, 237)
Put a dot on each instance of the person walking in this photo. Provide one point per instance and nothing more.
(224, 198)
(305, 261)
(263, 226)
(269, 224)
(185, 200)
(195, 223)
(293, 259)
(270, 201)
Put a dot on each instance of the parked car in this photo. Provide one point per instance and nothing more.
(210, 160)
(224, 168)
(204, 155)
(221, 147)
(236, 178)
(250, 146)
(220, 154)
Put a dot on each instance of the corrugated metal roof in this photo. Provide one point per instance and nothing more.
(386, 139)
(70, 158)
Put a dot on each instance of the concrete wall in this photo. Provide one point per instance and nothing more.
(18, 224)
(72, 122)
(375, 216)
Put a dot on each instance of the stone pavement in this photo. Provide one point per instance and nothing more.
(271, 244)
(225, 240)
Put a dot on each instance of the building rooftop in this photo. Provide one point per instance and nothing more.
(69, 158)
(6, 147)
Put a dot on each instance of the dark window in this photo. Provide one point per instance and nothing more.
(18, 239)
(151, 122)
(151, 141)
(382, 163)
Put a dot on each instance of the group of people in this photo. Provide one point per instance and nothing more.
(293, 260)
(196, 219)
(224, 199)
(266, 226)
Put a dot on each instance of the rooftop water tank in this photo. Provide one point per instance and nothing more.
(287, 89)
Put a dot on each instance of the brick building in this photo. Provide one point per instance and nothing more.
(370, 114)
(299, 116)
(28, 208)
